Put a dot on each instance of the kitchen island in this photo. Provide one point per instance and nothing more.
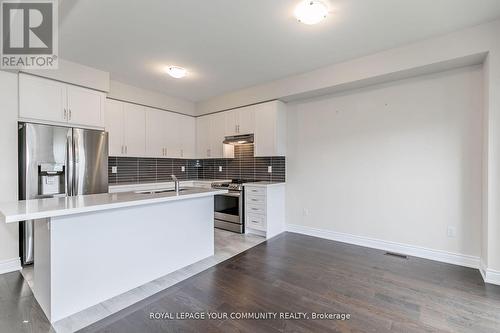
(93, 247)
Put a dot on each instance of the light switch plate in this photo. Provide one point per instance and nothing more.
(183, 168)
(114, 169)
(220, 168)
(270, 169)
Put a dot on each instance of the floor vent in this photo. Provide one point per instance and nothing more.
(397, 255)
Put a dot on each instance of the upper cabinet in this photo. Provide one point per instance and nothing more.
(187, 136)
(267, 121)
(114, 124)
(52, 101)
(210, 133)
(140, 131)
(270, 129)
(126, 125)
(240, 121)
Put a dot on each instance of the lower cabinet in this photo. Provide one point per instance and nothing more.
(265, 209)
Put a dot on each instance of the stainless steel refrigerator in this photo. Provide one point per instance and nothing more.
(56, 162)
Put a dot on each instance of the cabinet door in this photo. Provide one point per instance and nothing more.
(173, 131)
(217, 133)
(113, 116)
(85, 106)
(231, 122)
(134, 130)
(203, 137)
(270, 129)
(187, 135)
(42, 99)
(156, 142)
(246, 120)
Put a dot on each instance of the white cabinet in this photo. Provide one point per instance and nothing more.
(53, 101)
(187, 135)
(240, 121)
(217, 130)
(42, 99)
(85, 106)
(156, 141)
(114, 119)
(126, 127)
(265, 209)
(173, 132)
(134, 126)
(270, 129)
(169, 134)
(210, 133)
(203, 137)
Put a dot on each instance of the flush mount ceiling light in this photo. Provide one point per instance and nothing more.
(176, 71)
(311, 11)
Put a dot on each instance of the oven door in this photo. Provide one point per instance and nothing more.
(228, 207)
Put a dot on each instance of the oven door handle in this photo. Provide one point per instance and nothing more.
(235, 195)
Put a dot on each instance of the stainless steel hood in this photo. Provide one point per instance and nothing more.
(238, 139)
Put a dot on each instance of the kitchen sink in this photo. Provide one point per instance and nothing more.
(159, 191)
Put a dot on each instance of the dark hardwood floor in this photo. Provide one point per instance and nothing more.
(296, 273)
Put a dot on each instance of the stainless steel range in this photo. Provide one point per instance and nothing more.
(229, 207)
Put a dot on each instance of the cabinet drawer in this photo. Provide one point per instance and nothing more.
(255, 199)
(255, 221)
(255, 190)
(255, 209)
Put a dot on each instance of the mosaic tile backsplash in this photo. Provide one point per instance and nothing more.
(243, 166)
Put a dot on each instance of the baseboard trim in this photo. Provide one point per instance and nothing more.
(10, 265)
(411, 250)
(489, 275)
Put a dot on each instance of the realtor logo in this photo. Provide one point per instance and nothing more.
(29, 34)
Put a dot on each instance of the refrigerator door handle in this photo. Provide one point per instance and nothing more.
(69, 163)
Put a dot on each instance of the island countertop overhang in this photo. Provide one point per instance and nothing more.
(23, 210)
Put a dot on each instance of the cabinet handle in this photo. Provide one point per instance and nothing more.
(65, 114)
(69, 114)
(122, 150)
(255, 200)
(126, 149)
(255, 208)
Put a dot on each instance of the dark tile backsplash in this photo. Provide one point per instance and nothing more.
(243, 166)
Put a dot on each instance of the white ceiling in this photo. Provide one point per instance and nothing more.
(231, 44)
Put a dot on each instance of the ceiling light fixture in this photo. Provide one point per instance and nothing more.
(311, 11)
(176, 71)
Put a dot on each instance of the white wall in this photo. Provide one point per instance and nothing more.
(9, 251)
(128, 93)
(74, 73)
(398, 162)
(448, 51)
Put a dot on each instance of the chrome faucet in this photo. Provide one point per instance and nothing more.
(176, 182)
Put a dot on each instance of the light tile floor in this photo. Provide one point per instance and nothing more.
(227, 245)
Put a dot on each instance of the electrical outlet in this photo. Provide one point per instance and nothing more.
(220, 168)
(114, 169)
(183, 168)
(270, 169)
(451, 232)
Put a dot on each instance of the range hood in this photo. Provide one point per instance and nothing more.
(238, 139)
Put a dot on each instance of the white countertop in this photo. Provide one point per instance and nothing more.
(264, 184)
(43, 208)
(160, 185)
